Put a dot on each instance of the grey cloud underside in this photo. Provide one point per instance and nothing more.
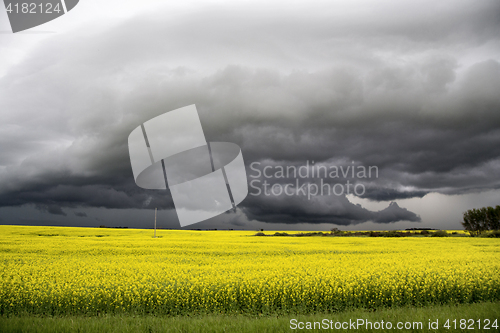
(386, 89)
(321, 209)
(81, 214)
(51, 209)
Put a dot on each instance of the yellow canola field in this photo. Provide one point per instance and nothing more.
(56, 270)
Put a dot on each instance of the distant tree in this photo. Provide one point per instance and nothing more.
(475, 221)
(471, 221)
(493, 218)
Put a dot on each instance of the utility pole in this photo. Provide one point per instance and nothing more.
(155, 224)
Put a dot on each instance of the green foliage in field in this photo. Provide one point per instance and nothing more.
(481, 312)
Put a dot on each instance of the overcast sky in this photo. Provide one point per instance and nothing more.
(411, 87)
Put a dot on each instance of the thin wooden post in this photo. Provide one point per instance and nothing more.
(155, 224)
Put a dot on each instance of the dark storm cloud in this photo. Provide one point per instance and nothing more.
(320, 209)
(394, 213)
(81, 214)
(51, 209)
(384, 87)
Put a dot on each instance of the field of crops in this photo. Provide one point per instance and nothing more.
(54, 270)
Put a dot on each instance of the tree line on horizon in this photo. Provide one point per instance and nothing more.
(477, 221)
